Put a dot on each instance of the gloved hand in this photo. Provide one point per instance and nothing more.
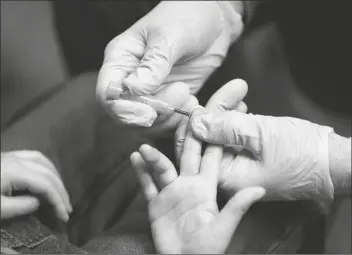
(230, 96)
(31, 171)
(287, 156)
(178, 41)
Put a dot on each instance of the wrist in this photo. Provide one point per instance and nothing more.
(340, 163)
(233, 15)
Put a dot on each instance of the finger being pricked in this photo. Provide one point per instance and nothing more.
(192, 148)
(228, 97)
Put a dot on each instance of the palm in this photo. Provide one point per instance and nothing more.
(186, 217)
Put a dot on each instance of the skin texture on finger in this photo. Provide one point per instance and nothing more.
(228, 219)
(57, 183)
(38, 185)
(191, 154)
(149, 188)
(18, 206)
(227, 97)
(180, 134)
(33, 161)
(159, 166)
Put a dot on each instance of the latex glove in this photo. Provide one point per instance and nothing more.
(183, 210)
(178, 41)
(31, 171)
(230, 96)
(287, 156)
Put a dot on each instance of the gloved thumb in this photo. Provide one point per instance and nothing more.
(153, 69)
(18, 206)
(230, 216)
(231, 128)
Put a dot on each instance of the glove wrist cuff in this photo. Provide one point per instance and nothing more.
(325, 188)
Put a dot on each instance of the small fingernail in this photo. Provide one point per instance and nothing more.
(198, 126)
(198, 110)
(113, 91)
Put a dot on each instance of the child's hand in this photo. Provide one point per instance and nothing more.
(30, 171)
(183, 212)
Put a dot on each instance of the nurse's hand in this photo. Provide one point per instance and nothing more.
(32, 172)
(289, 157)
(178, 41)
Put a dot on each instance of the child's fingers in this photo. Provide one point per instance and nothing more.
(17, 206)
(55, 180)
(192, 149)
(39, 185)
(149, 189)
(160, 167)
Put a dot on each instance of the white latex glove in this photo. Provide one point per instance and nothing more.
(230, 96)
(178, 41)
(287, 156)
(31, 171)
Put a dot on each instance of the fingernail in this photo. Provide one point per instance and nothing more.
(198, 127)
(113, 91)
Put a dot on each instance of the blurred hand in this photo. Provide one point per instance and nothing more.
(31, 171)
(286, 156)
(183, 210)
(178, 41)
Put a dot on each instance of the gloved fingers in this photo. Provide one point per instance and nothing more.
(135, 113)
(121, 57)
(228, 219)
(180, 134)
(40, 185)
(155, 66)
(241, 107)
(18, 206)
(231, 128)
(160, 167)
(192, 150)
(148, 186)
(228, 97)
